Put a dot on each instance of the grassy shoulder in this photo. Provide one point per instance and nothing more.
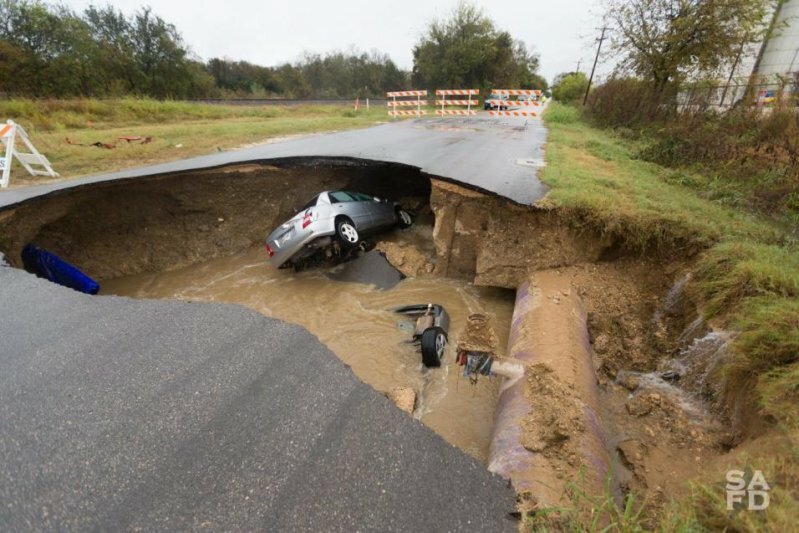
(178, 130)
(746, 278)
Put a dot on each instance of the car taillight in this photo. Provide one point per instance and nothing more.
(306, 220)
(269, 250)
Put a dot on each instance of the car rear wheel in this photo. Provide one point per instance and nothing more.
(434, 340)
(346, 231)
(405, 220)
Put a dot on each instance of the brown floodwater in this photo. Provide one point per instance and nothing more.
(356, 322)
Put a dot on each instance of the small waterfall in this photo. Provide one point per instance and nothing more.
(672, 302)
(691, 379)
(699, 363)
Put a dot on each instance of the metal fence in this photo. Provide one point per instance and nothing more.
(740, 91)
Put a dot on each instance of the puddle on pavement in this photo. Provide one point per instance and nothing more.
(354, 320)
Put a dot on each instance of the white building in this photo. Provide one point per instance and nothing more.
(779, 55)
(772, 65)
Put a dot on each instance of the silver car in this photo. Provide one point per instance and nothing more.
(336, 220)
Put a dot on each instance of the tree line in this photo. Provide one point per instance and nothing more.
(53, 51)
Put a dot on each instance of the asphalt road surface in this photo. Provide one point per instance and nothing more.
(499, 155)
(120, 414)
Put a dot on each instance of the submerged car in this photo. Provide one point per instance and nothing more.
(336, 221)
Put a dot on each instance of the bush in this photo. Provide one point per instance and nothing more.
(628, 102)
(570, 87)
(751, 156)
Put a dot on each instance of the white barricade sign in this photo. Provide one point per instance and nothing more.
(469, 102)
(393, 104)
(506, 102)
(10, 133)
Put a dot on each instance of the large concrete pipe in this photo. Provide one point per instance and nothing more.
(547, 429)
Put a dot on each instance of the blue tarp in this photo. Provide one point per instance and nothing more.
(49, 266)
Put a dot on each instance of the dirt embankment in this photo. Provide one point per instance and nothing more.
(658, 434)
(150, 225)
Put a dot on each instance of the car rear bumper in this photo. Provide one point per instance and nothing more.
(283, 253)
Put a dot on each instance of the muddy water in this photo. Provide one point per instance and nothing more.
(354, 320)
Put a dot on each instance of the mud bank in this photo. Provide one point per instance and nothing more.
(498, 243)
(155, 224)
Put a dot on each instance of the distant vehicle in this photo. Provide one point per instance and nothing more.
(526, 98)
(491, 106)
(337, 219)
(430, 330)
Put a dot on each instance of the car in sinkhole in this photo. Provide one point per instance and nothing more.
(332, 224)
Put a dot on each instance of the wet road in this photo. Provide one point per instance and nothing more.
(208, 416)
(499, 155)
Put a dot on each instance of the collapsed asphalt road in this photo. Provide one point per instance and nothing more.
(210, 416)
(498, 155)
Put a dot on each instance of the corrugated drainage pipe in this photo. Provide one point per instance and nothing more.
(549, 328)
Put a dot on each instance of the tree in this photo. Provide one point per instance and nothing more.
(569, 86)
(668, 40)
(467, 51)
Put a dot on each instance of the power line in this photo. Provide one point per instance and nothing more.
(596, 58)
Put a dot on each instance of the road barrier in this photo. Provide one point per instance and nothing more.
(512, 114)
(9, 134)
(393, 103)
(469, 102)
(507, 103)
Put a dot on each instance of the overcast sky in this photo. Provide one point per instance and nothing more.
(272, 32)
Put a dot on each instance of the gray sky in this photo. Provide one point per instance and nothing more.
(271, 32)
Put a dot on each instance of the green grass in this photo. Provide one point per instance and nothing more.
(178, 129)
(746, 276)
(595, 173)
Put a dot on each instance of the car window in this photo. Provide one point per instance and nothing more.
(310, 204)
(361, 197)
(341, 196)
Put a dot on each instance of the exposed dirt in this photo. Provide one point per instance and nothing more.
(495, 242)
(123, 228)
(659, 435)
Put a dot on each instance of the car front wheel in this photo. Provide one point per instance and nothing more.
(404, 219)
(346, 231)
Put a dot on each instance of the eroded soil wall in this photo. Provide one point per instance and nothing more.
(153, 224)
(494, 242)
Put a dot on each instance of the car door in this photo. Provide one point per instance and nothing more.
(381, 213)
(345, 203)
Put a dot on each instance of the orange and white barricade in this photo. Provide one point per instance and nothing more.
(506, 103)
(457, 101)
(393, 103)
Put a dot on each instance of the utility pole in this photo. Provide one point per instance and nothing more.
(579, 62)
(593, 69)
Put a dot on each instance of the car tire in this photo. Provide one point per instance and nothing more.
(347, 232)
(404, 219)
(434, 340)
